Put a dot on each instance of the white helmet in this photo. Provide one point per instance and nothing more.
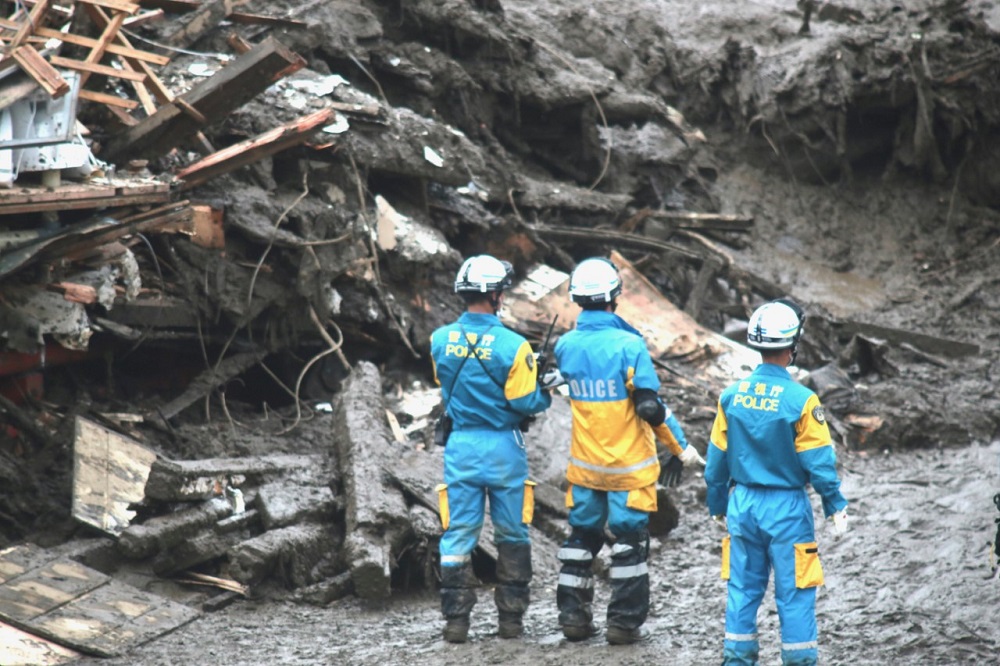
(483, 274)
(775, 325)
(595, 280)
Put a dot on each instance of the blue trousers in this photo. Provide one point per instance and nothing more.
(771, 529)
(480, 464)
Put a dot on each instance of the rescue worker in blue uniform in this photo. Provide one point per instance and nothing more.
(488, 379)
(769, 440)
(613, 465)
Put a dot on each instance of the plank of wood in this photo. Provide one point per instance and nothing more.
(108, 34)
(16, 89)
(110, 100)
(144, 18)
(109, 475)
(88, 42)
(261, 19)
(175, 6)
(247, 152)
(29, 27)
(123, 6)
(35, 66)
(927, 343)
(161, 92)
(92, 68)
(79, 197)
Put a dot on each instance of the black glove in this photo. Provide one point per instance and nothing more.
(526, 423)
(670, 474)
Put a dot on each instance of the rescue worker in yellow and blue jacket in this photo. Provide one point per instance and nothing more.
(613, 466)
(488, 377)
(769, 441)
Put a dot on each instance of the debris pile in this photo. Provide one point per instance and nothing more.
(228, 229)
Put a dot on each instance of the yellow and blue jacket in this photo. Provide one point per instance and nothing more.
(770, 432)
(498, 400)
(604, 360)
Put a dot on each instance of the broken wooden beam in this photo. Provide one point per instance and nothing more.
(252, 150)
(927, 343)
(190, 480)
(90, 43)
(39, 69)
(208, 380)
(29, 26)
(214, 98)
(617, 238)
(685, 219)
(376, 515)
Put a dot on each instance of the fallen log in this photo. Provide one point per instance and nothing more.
(927, 343)
(164, 532)
(376, 515)
(207, 546)
(213, 99)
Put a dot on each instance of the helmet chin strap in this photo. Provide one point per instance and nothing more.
(494, 300)
(795, 352)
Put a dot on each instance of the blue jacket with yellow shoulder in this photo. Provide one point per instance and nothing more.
(604, 360)
(770, 432)
(498, 400)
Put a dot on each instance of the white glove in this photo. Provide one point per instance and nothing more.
(691, 455)
(551, 378)
(839, 522)
(720, 522)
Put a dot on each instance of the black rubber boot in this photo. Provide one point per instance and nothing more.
(458, 596)
(629, 604)
(512, 594)
(575, 593)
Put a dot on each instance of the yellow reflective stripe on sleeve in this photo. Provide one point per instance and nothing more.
(719, 435)
(442, 491)
(629, 384)
(523, 376)
(569, 496)
(528, 506)
(812, 430)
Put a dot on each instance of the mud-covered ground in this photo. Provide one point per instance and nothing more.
(906, 585)
(887, 243)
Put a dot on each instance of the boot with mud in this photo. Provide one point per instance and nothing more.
(623, 636)
(511, 625)
(576, 632)
(456, 630)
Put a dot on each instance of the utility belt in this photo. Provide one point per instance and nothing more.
(471, 428)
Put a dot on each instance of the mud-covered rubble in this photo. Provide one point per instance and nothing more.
(323, 254)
